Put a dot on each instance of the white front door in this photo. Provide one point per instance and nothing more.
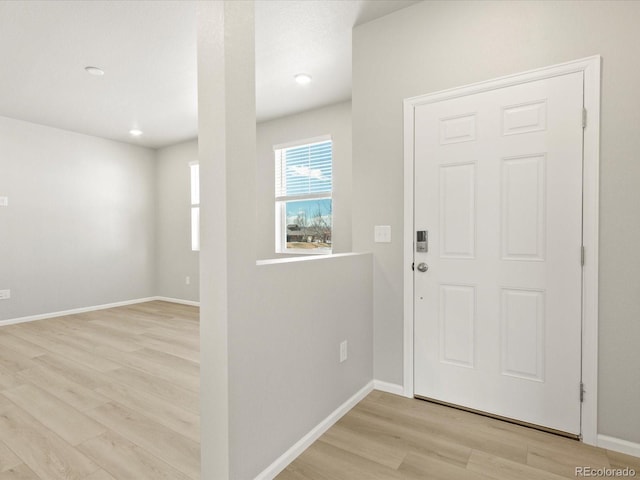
(498, 188)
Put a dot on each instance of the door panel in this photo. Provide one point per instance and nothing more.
(498, 185)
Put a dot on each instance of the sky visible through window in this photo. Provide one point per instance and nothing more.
(304, 212)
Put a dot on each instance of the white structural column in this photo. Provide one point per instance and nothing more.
(226, 104)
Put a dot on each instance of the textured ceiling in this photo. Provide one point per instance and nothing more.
(148, 52)
(313, 37)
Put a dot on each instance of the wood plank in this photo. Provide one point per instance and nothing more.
(503, 469)
(187, 339)
(326, 462)
(416, 466)
(8, 459)
(621, 460)
(413, 436)
(125, 460)
(157, 386)
(8, 379)
(564, 462)
(13, 361)
(95, 334)
(168, 414)
(458, 427)
(41, 450)
(59, 343)
(79, 327)
(76, 395)
(19, 472)
(23, 347)
(72, 371)
(145, 310)
(67, 422)
(290, 474)
(178, 371)
(5, 403)
(178, 451)
(167, 360)
(100, 475)
(167, 346)
(386, 451)
(120, 324)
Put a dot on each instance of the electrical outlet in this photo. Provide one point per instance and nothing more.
(187, 280)
(343, 351)
(4, 201)
(5, 294)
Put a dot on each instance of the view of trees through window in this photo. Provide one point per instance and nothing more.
(309, 223)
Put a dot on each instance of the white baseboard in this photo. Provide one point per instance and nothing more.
(301, 445)
(619, 445)
(388, 387)
(178, 300)
(43, 316)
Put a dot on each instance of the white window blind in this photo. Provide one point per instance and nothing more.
(304, 171)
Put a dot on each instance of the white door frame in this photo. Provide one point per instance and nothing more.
(590, 204)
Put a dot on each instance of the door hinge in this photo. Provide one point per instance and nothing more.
(581, 392)
(582, 255)
(584, 118)
(413, 265)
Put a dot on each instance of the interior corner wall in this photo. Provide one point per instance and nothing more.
(334, 120)
(79, 228)
(437, 45)
(175, 261)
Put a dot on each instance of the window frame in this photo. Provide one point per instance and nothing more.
(282, 200)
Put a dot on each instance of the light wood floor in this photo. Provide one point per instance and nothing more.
(390, 437)
(106, 395)
(113, 395)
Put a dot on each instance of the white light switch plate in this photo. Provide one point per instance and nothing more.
(343, 351)
(5, 294)
(4, 201)
(382, 234)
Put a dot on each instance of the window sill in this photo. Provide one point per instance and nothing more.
(279, 261)
(306, 252)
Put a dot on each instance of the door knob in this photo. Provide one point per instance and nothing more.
(423, 267)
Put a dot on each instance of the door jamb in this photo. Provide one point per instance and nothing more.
(590, 66)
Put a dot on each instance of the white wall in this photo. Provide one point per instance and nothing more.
(437, 45)
(174, 258)
(270, 334)
(334, 120)
(79, 228)
(285, 372)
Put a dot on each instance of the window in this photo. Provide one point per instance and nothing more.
(303, 197)
(195, 206)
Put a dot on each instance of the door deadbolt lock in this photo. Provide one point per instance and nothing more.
(422, 267)
(422, 241)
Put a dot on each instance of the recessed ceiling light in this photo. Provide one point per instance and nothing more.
(98, 72)
(135, 132)
(302, 78)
